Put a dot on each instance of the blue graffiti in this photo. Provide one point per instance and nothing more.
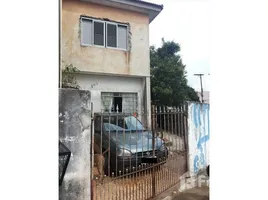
(202, 137)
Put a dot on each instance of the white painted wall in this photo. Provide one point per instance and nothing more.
(105, 83)
(198, 137)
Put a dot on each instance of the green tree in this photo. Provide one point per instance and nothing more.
(168, 76)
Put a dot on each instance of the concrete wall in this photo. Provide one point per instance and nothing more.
(97, 84)
(198, 137)
(101, 83)
(74, 132)
(103, 60)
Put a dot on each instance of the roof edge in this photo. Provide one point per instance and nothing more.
(133, 5)
(160, 6)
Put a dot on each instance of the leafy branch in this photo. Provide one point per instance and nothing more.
(69, 78)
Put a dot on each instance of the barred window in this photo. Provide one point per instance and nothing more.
(119, 102)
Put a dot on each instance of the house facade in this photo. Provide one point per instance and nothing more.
(108, 42)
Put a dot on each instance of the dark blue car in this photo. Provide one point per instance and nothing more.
(124, 141)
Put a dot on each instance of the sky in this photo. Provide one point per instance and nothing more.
(187, 23)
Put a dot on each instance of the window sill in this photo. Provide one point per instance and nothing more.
(97, 46)
(114, 48)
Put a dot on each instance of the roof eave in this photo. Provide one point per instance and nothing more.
(152, 10)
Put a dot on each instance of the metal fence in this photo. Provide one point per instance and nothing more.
(134, 162)
(64, 157)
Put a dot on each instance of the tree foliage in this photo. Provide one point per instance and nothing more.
(168, 76)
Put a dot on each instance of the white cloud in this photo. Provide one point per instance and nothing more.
(186, 22)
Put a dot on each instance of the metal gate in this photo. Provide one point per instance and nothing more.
(128, 163)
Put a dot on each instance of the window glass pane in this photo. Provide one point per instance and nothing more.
(107, 101)
(98, 33)
(111, 35)
(122, 37)
(86, 32)
(130, 103)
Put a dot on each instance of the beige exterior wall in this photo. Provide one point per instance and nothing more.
(103, 60)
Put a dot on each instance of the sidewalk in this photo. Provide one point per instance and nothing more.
(197, 191)
(200, 193)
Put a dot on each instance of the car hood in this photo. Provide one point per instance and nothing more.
(136, 141)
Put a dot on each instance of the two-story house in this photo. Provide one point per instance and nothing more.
(108, 41)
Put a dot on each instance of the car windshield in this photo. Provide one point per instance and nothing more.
(130, 123)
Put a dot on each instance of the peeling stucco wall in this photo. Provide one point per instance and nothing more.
(74, 132)
(103, 60)
(110, 84)
(198, 137)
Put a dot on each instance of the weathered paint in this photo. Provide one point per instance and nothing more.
(101, 83)
(74, 133)
(198, 137)
(99, 59)
(98, 83)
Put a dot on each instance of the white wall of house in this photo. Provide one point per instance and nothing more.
(97, 84)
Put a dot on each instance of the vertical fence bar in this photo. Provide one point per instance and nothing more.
(181, 128)
(137, 133)
(168, 123)
(116, 160)
(124, 141)
(153, 146)
(164, 130)
(176, 127)
(116, 171)
(185, 123)
(101, 154)
(93, 183)
(109, 152)
(143, 176)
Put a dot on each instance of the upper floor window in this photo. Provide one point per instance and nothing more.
(103, 33)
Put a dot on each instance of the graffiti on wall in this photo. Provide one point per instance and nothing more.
(198, 136)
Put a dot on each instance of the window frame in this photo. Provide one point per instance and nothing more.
(127, 49)
(112, 23)
(113, 94)
(81, 26)
(105, 39)
(104, 34)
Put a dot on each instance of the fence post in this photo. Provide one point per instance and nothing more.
(185, 130)
(154, 117)
(93, 183)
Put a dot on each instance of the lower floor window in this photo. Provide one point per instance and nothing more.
(119, 102)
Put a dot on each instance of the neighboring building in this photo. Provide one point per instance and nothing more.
(205, 96)
(108, 41)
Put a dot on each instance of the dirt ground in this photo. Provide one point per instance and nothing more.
(200, 193)
(139, 187)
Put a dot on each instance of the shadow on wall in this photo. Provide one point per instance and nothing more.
(74, 133)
